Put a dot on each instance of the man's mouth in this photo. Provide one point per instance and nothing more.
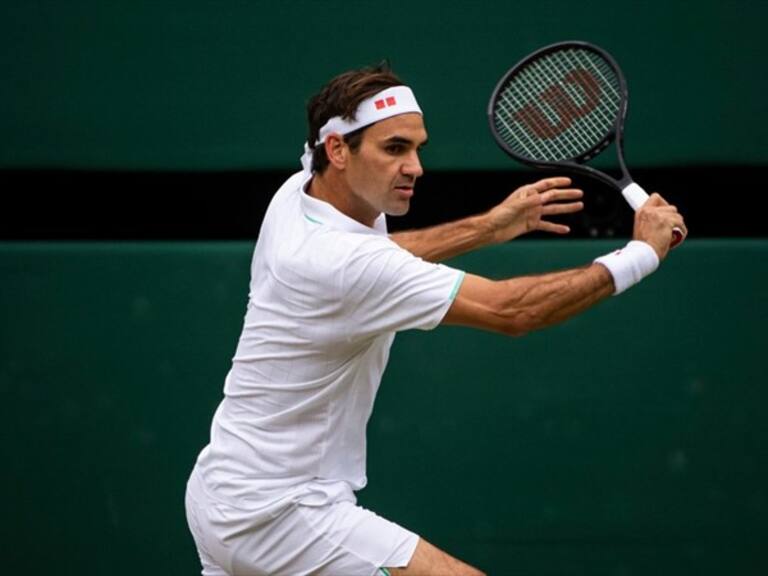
(405, 190)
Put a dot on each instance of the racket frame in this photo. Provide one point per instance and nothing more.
(576, 164)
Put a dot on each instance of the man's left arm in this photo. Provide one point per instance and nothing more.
(521, 212)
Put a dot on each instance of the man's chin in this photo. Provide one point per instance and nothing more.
(399, 209)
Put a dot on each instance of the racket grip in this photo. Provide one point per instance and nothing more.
(636, 197)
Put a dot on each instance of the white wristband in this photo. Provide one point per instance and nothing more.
(630, 264)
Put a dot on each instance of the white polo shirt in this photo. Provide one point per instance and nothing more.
(327, 295)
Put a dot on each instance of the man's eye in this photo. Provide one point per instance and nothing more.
(394, 148)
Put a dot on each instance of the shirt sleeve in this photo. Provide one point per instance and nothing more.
(387, 289)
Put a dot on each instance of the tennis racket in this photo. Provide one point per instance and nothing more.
(560, 107)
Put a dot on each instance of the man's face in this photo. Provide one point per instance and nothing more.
(382, 173)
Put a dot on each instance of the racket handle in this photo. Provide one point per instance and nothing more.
(636, 197)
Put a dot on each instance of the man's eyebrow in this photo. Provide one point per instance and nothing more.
(403, 140)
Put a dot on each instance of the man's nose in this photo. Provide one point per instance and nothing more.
(412, 166)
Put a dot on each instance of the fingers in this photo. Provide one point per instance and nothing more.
(545, 226)
(549, 183)
(562, 208)
(673, 219)
(656, 200)
(556, 201)
(658, 222)
(678, 222)
(555, 184)
(562, 194)
(550, 195)
(669, 211)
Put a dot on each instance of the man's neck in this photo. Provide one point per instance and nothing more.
(330, 187)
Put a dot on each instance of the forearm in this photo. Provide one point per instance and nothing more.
(446, 240)
(536, 302)
(520, 305)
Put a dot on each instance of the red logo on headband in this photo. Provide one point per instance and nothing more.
(385, 102)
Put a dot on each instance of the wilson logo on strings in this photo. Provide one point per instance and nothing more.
(535, 120)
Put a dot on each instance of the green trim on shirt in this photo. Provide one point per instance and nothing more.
(457, 285)
(312, 220)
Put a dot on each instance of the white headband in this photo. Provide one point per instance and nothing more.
(385, 104)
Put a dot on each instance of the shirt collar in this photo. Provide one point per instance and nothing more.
(321, 212)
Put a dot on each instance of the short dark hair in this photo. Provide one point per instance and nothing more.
(341, 97)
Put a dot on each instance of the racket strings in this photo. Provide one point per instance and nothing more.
(526, 91)
(559, 106)
(592, 127)
(541, 75)
(512, 134)
(608, 81)
(566, 147)
(528, 87)
(570, 104)
(533, 78)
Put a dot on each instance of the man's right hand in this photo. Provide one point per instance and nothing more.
(654, 222)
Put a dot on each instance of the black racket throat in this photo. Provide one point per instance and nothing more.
(621, 181)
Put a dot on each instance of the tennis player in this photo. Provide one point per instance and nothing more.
(273, 493)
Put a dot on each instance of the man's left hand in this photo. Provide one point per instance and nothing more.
(527, 207)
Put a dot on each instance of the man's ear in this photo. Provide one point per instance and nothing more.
(336, 150)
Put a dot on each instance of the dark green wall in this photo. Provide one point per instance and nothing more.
(195, 84)
(629, 441)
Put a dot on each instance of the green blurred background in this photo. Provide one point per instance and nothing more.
(210, 84)
(629, 441)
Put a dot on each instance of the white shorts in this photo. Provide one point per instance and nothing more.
(339, 539)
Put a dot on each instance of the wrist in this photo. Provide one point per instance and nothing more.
(486, 229)
(630, 265)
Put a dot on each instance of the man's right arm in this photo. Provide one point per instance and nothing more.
(519, 305)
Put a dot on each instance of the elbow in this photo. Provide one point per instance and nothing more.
(514, 331)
